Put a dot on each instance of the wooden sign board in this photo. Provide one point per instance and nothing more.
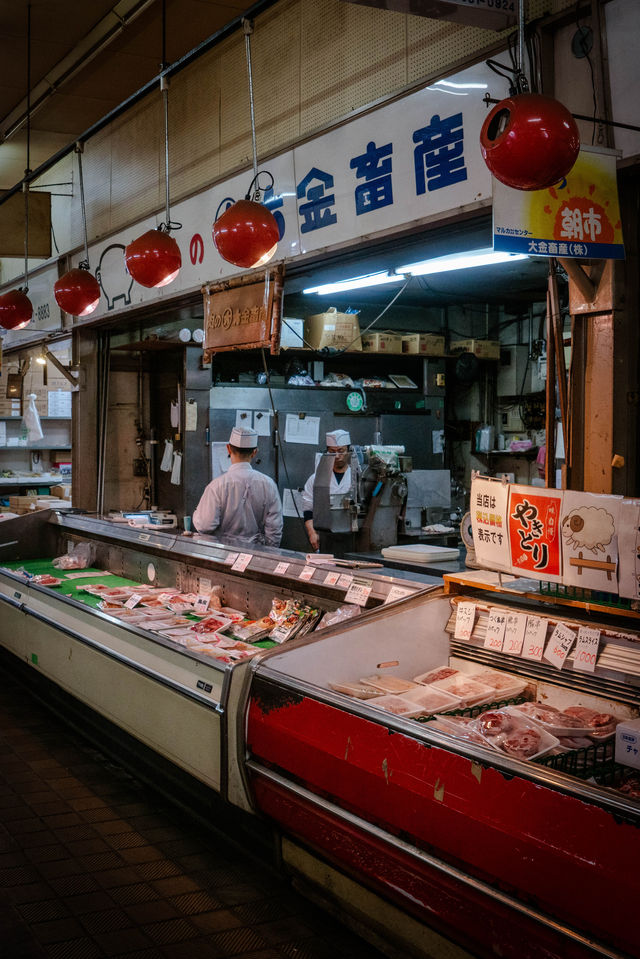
(243, 313)
(12, 225)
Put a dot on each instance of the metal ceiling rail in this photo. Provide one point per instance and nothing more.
(170, 70)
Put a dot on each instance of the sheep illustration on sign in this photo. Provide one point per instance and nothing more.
(590, 540)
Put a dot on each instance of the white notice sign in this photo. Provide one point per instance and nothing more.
(242, 561)
(514, 633)
(535, 636)
(465, 618)
(358, 592)
(490, 523)
(281, 569)
(307, 573)
(495, 630)
(561, 641)
(396, 592)
(304, 429)
(587, 647)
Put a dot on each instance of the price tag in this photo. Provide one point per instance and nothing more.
(133, 600)
(307, 573)
(465, 618)
(587, 647)
(345, 580)
(514, 633)
(396, 592)
(495, 630)
(281, 569)
(201, 605)
(165, 597)
(331, 579)
(230, 559)
(242, 561)
(534, 637)
(561, 641)
(358, 592)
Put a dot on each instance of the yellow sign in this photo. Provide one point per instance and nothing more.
(578, 217)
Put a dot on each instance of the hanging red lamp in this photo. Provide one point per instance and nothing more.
(246, 234)
(77, 292)
(529, 141)
(154, 259)
(16, 310)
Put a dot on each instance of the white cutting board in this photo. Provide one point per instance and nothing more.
(421, 553)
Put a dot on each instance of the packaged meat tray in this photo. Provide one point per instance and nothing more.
(458, 726)
(43, 579)
(467, 690)
(600, 726)
(555, 721)
(513, 735)
(440, 672)
(431, 700)
(397, 705)
(389, 684)
(506, 685)
(356, 690)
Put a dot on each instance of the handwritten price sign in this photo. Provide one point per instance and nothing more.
(465, 618)
(561, 641)
(514, 633)
(495, 630)
(587, 647)
(535, 635)
(242, 561)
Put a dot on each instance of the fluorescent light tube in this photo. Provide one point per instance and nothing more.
(355, 283)
(460, 261)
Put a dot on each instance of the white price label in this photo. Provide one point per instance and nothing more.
(230, 559)
(561, 641)
(396, 592)
(514, 633)
(242, 562)
(495, 630)
(281, 569)
(465, 618)
(307, 573)
(331, 579)
(165, 597)
(587, 647)
(345, 580)
(358, 592)
(534, 637)
(133, 600)
(201, 605)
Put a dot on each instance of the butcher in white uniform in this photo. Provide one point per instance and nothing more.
(338, 442)
(242, 504)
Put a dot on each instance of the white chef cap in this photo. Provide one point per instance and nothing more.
(244, 438)
(338, 438)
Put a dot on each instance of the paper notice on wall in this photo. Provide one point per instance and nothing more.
(191, 416)
(220, 461)
(589, 532)
(534, 532)
(629, 548)
(244, 418)
(302, 429)
(3, 434)
(176, 470)
(489, 522)
(437, 441)
(174, 415)
(262, 422)
(290, 500)
(167, 457)
(59, 403)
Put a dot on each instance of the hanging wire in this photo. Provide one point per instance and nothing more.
(169, 224)
(25, 185)
(84, 264)
(255, 191)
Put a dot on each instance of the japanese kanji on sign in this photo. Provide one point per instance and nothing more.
(534, 532)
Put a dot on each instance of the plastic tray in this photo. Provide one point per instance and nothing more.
(467, 690)
(421, 553)
(506, 685)
(431, 700)
(554, 728)
(433, 676)
(512, 724)
(356, 690)
(398, 705)
(389, 684)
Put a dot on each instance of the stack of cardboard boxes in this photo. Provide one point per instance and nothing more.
(29, 502)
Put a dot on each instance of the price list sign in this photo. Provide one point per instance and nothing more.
(465, 618)
(514, 633)
(358, 592)
(534, 638)
(587, 647)
(242, 561)
(495, 630)
(560, 642)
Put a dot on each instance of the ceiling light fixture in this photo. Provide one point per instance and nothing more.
(16, 309)
(77, 291)
(154, 259)
(356, 283)
(247, 233)
(460, 261)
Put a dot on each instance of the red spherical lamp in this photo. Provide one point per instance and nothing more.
(154, 259)
(16, 310)
(246, 234)
(77, 292)
(529, 141)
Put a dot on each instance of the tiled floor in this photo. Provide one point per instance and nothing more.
(95, 864)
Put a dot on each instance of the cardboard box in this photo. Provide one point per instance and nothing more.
(384, 342)
(17, 503)
(483, 349)
(61, 492)
(339, 330)
(628, 743)
(423, 344)
(291, 332)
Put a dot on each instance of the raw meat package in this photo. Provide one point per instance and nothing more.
(467, 690)
(211, 624)
(440, 672)
(431, 700)
(458, 726)
(397, 705)
(513, 735)
(555, 721)
(599, 725)
(43, 579)
(389, 684)
(506, 685)
(356, 690)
